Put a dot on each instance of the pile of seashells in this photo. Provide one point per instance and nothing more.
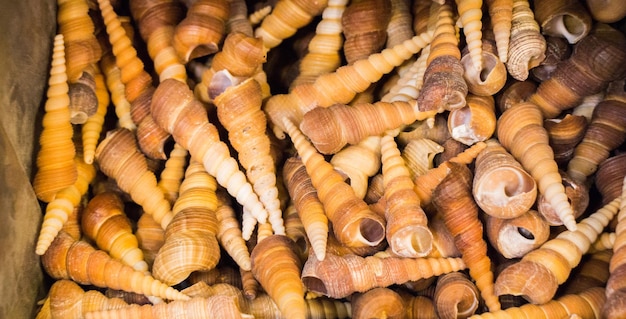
(335, 159)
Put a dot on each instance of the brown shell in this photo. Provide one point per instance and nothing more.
(150, 236)
(489, 79)
(364, 24)
(557, 50)
(514, 92)
(83, 99)
(527, 46)
(379, 302)
(501, 15)
(474, 122)
(564, 135)
(515, 237)
(606, 11)
(577, 194)
(456, 296)
(563, 18)
(68, 300)
(202, 30)
(609, 177)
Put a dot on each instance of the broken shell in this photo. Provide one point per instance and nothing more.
(515, 237)
(419, 155)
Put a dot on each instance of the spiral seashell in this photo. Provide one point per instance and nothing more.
(117, 90)
(577, 194)
(608, 178)
(564, 135)
(259, 14)
(63, 205)
(557, 50)
(150, 236)
(307, 204)
(513, 93)
(501, 186)
(364, 25)
(79, 261)
(229, 231)
(340, 86)
(378, 302)
(444, 87)
(421, 10)
(606, 11)
(550, 265)
(527, 45)
(408, 86)
(238, 19)
(92, 127)
(587, 304)
(400, 23)
(119, 158)
(68, 300)
(592, 272)
(515, 237)
(339, 276)
(83, 99)
(285, 19)
(177, 110)
(501, 15)
(172, 174)
(239, 111)
(277, 268)
(56, 168)
(604, 242)
(407, 231)
(419, 155)
(474, 122)
(491, 77)
(345, 124)
(455, 296)
(520, 130)
(204, 27)
(358, 163)
(470, 18)
(595, 61)
(453, 199)
(564, 18)
(105, 222)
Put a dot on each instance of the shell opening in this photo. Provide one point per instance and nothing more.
(525, 233)
(314, 284)
(372, 230)
(488, 68)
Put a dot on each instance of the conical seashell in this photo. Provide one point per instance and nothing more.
(515, 237)
(514, 92)
(229, 231)
(285, 19)
(565, 134)
(408, 86)
(177, 110)
(501, 15)
(453, 199)
(378, 302)
(527, 46)
(340, 276)
(422, 12)
(358, 163)
(607, 11)
(92, 127)
(150, 236)
(550, 265)
(277, 268)
(344, 124)
(520, 130)
(340, 86)
(587, 304)
(592, 272)
(557, 50)
(119, 158)
(56, 169)
(474, 122)
(456, 296)
(105, 222)
(577, 194)
(83, 100)
(202, 30)
(419, 155)
(564, 18)
(238, 18)
(608, 178)
(407, 231)
(364, 25)
(116, 88)
(68, 300)
(444, 87)
(353, 223)
(604, 242)
(190, 239)
(470, 19)
(239, 111)
(79, 261)
(501, 186)
(307, 204)
(173, 173)
(400, 27)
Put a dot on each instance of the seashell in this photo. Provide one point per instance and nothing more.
(250, 286)
(345, 124)
(608, 178)
(340, 276)
(79, 261)
(550, 265)
(238, 19)
(239, 111)
(614, 306)
(219, 306)
(436, 131)
(444, 87)
(172, 174)
(56, 168)
(259, 14)
(501, 15)
(285, 19)
(474, 122)
(340, 86)
(68, 300)
(358, 163)
(92, 128)
(470, 18)
(408, 86)
(105, 222)
(617, 272)
(592, 272)
(229, 231)
(150, 236)
(307, 204)
(419, 155)
(514, 92)
(117, 90)
(456, 296)
(421, 10)
(324, 50)
(219, 275)
(177, 110)
(443, 241)
(378, 302)
(83, 99)
(419, 307)
(364, 25)
(520, 130)
(577, 194)
(588, 304)
(564, 135)
(277, 268)
(201, 31)
(586, 72)
(62, 206)
(406, 230)
(453, 199)
(501, 187)
(557, 50)
(353, 223)
(119, 158)
(605, 241)
(399, 28)
(565, 18)
(491, 77)
(527, 45)
(606, 11)
(515, 237)
(605, 133)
